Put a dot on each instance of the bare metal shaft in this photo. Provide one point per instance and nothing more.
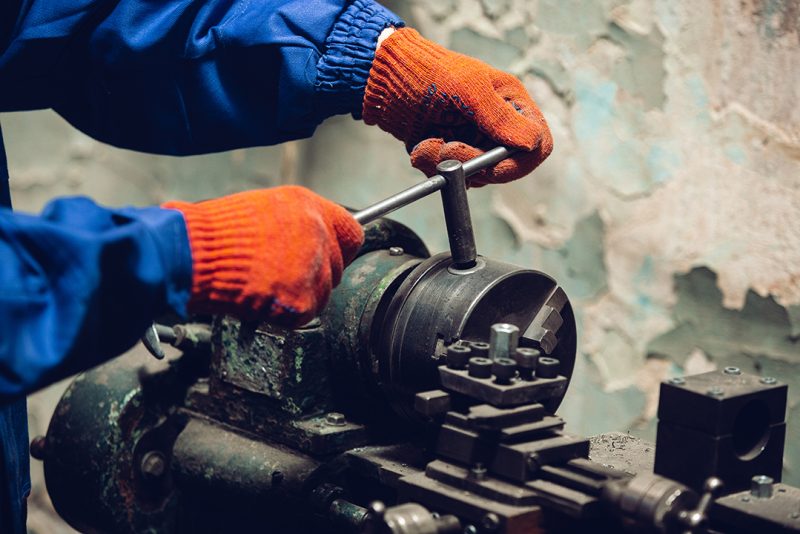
(456, 215)
(429, 186)
(403, 198)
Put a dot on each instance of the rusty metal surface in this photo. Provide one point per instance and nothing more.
(108, 420)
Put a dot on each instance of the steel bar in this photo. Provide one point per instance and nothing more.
(429, 186)
(456, 215)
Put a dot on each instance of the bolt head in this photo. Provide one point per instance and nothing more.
(153, 465)
(490, 522)
(396, 251)
(769, 380)
(335, 419)
(761, 486)
(716, 392)
(677, 381)
(732, 371)
(38, 447)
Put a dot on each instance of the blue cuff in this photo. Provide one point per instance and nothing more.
(172, 242)
(343, 70)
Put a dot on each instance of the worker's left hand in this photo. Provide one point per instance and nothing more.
(269, 254)
(445, 105)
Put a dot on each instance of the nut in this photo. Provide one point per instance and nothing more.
(335, 419)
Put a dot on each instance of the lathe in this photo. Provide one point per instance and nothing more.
(423, 400)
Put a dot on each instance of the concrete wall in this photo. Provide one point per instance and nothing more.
(670, 209)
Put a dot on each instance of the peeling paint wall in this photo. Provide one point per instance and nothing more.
(670, 209)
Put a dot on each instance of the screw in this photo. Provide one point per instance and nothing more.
(732, 371)
(153, 465)
(396, 251)
(458, 356)
(526, 361)
(745, 498)
(547, 367)
(761, 487)
(533, 463)
(480, 367)
(490, 522)
(479, 348)
(478, 472)
(769, 380)
(677, 381)
(504, 369)
(335, 419)
(37, 447)
(470, 529)
(795, 515)
(716, 392)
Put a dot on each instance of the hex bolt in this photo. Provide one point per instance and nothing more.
(547, 367)
(761, 487)
(716, 392)
(458, 356)
(503, 340)
(490, 522)
(396, 251)
(677, 381)
(732, 371)
(335, 419)
(769, 380)
(153, 465)
(480, 367)
(38, 446)
(479, 348)
(504, 369)
(477, 472)
(526, 362)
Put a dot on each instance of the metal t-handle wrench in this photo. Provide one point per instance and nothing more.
(452, 182)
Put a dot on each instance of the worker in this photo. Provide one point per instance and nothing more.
(79, 282)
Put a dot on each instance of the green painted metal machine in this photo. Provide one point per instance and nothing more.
(422, 400)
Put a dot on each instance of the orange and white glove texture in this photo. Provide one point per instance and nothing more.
(270, 254)
(444, 105)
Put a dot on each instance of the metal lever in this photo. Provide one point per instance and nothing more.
(431, 185)
(456, 214)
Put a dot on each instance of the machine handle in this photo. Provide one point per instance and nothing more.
(431, 185)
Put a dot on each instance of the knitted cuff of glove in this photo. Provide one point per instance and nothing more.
(222, 239)
(400, 87)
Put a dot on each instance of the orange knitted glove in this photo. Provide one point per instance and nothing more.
(445, 105)
(268, 254)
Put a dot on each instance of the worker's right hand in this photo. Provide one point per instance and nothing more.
(445, 105)
(270, 254)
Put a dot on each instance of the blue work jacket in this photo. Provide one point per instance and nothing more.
(80, 282)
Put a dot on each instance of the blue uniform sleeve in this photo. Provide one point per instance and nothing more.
(189, 76)
(80, 283)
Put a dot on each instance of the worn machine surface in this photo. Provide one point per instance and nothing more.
(422, 401)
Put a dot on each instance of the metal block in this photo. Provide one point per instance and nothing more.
(521, 461)
(742, 512)
(717, 402)
(461, 445)
(432, 403)
(488, 416)
(531, 431)
(514, 394)
(690, 456)
(487, 486)
(569, 502)
(723, 423)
